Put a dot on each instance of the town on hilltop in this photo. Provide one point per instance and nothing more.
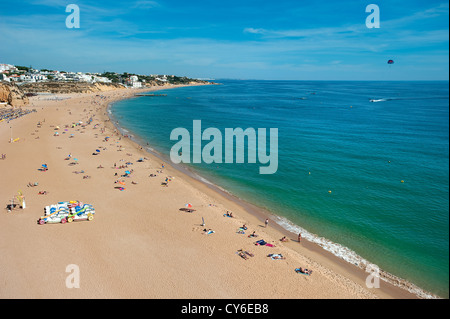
(23, 74)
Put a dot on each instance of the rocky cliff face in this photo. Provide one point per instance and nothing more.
(12, 94)
(69, 87)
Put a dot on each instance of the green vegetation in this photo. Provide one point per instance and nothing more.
(154, 79)
(22, 68)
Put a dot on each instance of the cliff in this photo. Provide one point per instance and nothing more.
(12, 94)
(69, 87)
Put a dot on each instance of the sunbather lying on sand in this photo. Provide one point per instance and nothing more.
(246, 252)
(32, 184)
(228, 214)
(276, 256)
(262, 242)
(242, 254)
(305, 271)
(253, 235)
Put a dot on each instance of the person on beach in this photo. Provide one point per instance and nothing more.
(304, 271)
(266, 222)
(253, 234)
(284, 239)
(299, 238)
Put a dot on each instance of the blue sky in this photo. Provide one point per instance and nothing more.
(246, 39)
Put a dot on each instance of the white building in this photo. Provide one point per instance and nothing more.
(3, 77)
(133, 81)
(101, 79)
(14, 77)
(26, 78)
(162, 79)
(7, 67)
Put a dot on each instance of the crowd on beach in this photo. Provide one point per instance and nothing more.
(126, 163)
(121, 171)
(8, 114)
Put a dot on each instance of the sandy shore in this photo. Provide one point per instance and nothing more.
(140, 245)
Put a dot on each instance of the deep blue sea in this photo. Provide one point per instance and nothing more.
(367, 180)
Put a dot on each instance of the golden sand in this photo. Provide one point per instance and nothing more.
(139, 245)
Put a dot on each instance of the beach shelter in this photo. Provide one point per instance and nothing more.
(21, 199)
(188, 205)
(98, 151)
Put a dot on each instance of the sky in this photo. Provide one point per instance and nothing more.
(245, 39)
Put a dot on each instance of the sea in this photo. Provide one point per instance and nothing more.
(362, 167)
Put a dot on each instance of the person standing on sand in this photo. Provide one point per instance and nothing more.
(266, 222)
(299, 237)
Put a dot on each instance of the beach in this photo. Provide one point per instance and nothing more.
(140, 244)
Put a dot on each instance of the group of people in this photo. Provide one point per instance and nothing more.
(274, 256)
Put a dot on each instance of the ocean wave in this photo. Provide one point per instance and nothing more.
(352, 257)
(409, 98)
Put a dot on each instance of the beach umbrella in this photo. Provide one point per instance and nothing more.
(127, 172)
(188, 205)
(98, 151)
(44, 165)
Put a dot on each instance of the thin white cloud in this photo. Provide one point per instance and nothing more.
(146, 4)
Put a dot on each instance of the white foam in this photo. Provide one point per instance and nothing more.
(351, 257)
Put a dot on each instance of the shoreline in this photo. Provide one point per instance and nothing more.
(395, 286)
(335, 278)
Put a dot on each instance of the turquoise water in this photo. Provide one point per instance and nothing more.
(331, 138)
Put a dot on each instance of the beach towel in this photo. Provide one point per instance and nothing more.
(240, 251)
(276, 256)
(297, 270)
(248, 253)
(242, 254)
(260, 242)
